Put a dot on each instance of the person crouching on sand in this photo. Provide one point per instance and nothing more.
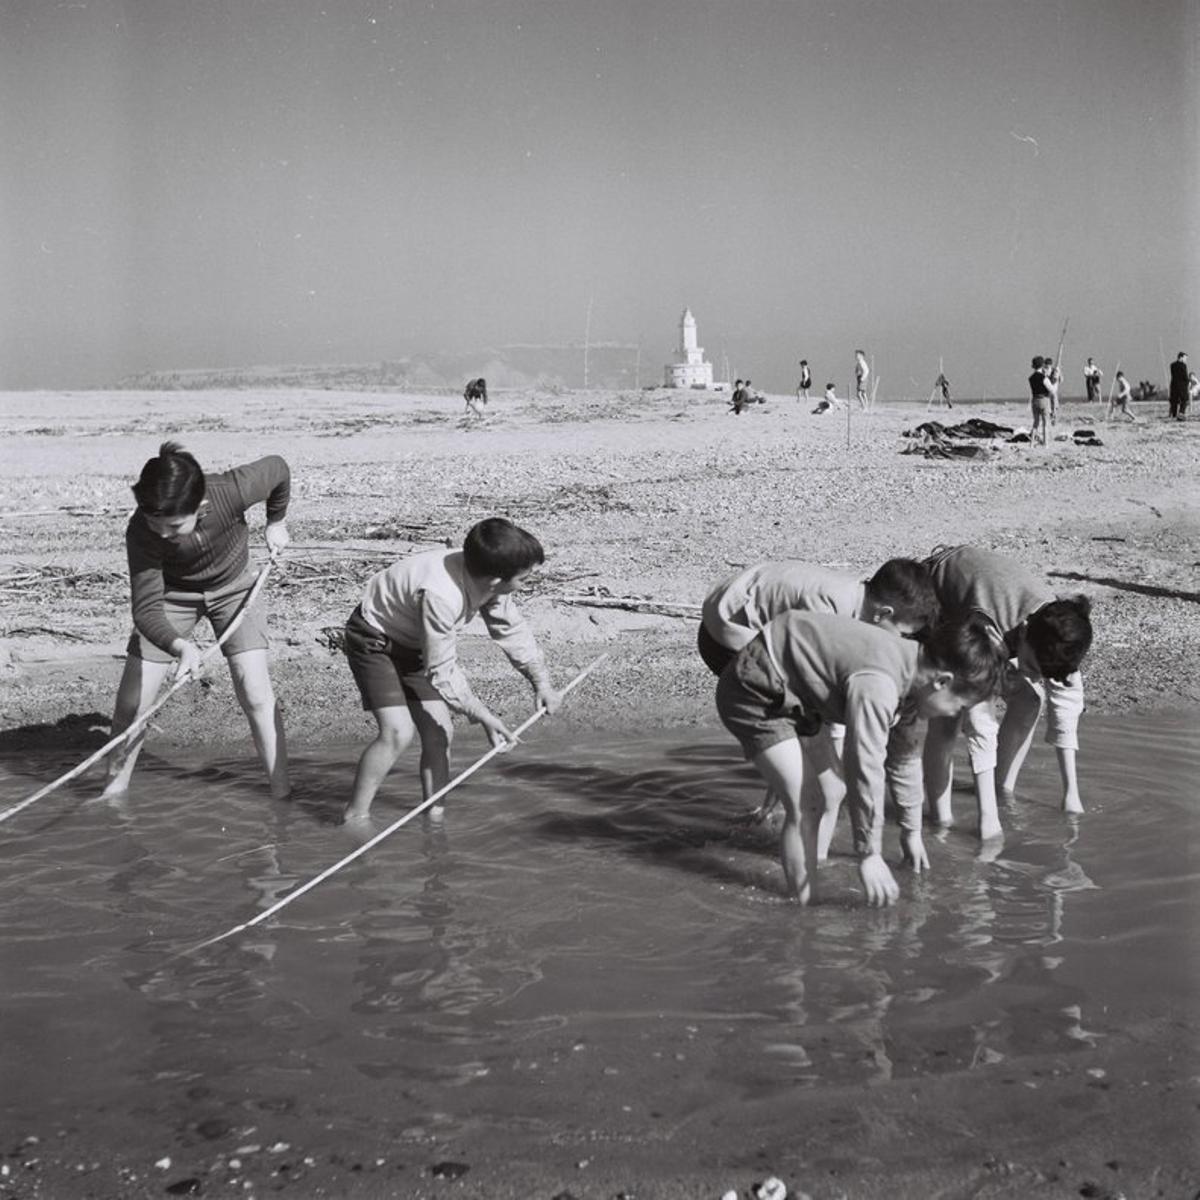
(809, 668)
(401, 642)
(1046, 638)
(898, 598)
(189, 556)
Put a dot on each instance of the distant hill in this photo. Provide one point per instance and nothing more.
(610, 365)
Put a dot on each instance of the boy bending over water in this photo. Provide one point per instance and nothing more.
(1046, 640)
(189, 557)
(898, 598)
(401, 642)
(809, 668)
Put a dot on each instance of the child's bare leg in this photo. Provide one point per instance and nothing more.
(1016, 733)
(252, 683)
(140, 682)
(782, 766)
(825, 778)
(983, 731)
(436, 730)
(937, 761)
(395, 733)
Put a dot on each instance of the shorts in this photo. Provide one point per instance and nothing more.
(388, 674)
(753, 706)
(183, 611)
(1041, 406)
(716, 657)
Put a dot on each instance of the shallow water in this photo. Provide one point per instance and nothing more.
(587, 941)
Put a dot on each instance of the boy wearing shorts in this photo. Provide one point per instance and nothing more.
(810, 668)
(401, 643)
(1045, 638)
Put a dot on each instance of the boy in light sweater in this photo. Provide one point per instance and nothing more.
(810, 668)
(401, 642)
(1045, 638)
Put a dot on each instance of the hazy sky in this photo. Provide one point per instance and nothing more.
(234, 182)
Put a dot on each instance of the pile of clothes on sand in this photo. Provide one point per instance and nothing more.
(935, 440)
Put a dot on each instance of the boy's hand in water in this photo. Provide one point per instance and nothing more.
(878, 881)
(191, 664)
(912, 846)
(499, 734)
(548, 698)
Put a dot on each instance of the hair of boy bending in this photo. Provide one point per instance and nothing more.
(171, 484)
(1060, 635)
(971, 652)
(906, 586)
(498, 549)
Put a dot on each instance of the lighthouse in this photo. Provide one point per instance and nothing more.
(688, 368)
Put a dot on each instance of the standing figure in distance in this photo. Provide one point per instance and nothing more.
(1120, 401)
(1091, 378)
(943, 385)
(861, 372)
(1178, 395)
(1040, 401)
(805, 380)
(1053, 378)
(475, 394)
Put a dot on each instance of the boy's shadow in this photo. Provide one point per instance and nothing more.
(655, 815)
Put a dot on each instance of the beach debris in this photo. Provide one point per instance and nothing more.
(449, 1170)
(730, 1195)
(164, 1163)
(184, 1187)
(599, 597)
(771, 1188)
(975, 427)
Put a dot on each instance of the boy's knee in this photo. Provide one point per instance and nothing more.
(258, 702)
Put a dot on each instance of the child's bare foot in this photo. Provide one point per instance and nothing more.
(990, 830)
(1072, 804)
(355, 816)
(281, 791)
(116, 786)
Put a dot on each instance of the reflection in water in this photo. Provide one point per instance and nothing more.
(592, 925)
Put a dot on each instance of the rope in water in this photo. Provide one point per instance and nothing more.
(137, 726)
(408, 816)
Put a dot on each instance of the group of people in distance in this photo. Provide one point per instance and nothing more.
(831, 399)
(825, 680)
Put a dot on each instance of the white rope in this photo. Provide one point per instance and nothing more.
(137, 725)
(379, 837)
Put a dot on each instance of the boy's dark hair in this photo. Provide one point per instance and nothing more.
(498, 549)
(171, 484)
(971, 652)
(1037, 361)
(906, 585)
(1060, 635)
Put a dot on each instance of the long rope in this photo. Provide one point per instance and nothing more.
(141, 721)
(296, 893)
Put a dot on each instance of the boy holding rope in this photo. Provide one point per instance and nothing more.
(401, 643)
(189, 556)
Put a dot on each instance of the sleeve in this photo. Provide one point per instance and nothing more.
(904, 772)
(871, 704)
(146, 589)
(511, 632)
(268, 479)
(439, 645)
(1065, 709)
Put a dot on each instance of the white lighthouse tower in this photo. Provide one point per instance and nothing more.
(689, 368)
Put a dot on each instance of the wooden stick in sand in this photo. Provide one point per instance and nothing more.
(296, 893)
(141, 721)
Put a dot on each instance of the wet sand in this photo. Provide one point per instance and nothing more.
(641, 500)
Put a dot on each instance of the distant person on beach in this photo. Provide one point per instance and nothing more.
(943, 385)
(806, 669)
(1178, 396)
(1091, 378)
(829, 401)
(1053, 379)
(1045, 639)
(1120, 401)
(189, 557)
(402, 646)
(1040, 401)
(1193, 389)
(805, 380)
(475, 395)
(862, 372)
(898, 598)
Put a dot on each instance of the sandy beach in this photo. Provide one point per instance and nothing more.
(642, 500)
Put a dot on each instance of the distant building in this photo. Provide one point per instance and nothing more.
(689, 368)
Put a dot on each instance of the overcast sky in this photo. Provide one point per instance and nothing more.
(191, 183)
